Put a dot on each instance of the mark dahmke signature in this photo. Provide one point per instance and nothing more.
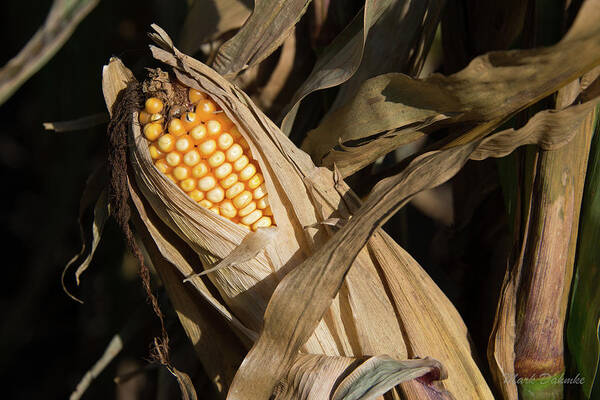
(553, 380)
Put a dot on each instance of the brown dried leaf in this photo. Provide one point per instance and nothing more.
(268, 26)
(63, 18)
(304, 294)
(412, 24)
(93, 199)
(78, 124)
(206, 20)
(491, 88)
(341, 59)
(251, 245)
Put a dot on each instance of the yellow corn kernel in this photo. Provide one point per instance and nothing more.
(229, 181)
(216, 159)
(213, 127)
(260, 192)
(251, 218)
(248, 209)
(215, 209)
(198, 133)
(223, 170)
(262, 203)
(182, 172)
(196, 195)
(191, 158)
(205, 109)
(195, 95)
(184, 143)
(152, 131)
(173, 158)
(155, 153)
(224, 141)
(175, 127)
(255, 181)
(242, 200)
(234, 153)
(263, 222)
(240, 163)
(166, 143)
(200, 170)
(205, 203)
(188, 184)
(153, 105)
(207, 148)
(163, 166)
(216, 195)
(247, 173)
(234, 190)
(228, 210)
(207, 183)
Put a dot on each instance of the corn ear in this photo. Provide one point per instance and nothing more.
(363, 318)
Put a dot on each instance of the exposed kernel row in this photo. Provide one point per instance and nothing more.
(202, 151)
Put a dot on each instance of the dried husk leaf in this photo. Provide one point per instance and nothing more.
(215, 343)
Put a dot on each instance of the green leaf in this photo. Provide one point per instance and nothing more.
(583, 337)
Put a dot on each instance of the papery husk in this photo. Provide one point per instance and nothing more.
(380, 308)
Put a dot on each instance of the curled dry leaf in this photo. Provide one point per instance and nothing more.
(63, 18)
(208, 19)
(93, 213)
(342, 58)
(491, 88)
(267, 27)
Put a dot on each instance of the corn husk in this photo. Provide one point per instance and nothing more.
(386, 305)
